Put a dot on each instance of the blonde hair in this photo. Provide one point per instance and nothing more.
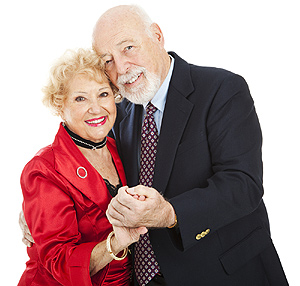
(73, 62)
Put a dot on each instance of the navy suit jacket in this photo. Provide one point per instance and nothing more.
(209, 167)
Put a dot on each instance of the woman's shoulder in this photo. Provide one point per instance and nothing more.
(46, 155)
(42, 160)
(40, 168)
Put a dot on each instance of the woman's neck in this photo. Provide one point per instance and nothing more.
(85, 143)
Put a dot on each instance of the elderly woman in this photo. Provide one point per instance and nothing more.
(68, 185)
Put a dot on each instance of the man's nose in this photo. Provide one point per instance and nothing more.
(122, 65)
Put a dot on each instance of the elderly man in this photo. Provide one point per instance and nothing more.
(207, 222)
(190, 142)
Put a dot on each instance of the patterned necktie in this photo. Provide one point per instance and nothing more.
(145, 264)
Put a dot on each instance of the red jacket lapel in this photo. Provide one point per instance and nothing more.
(71, 163)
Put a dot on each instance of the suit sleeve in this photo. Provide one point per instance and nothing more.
(51, 217)
(235, 188)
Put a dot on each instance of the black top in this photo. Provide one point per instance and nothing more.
(113, 190)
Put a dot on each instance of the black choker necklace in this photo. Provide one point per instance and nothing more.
(79, 141)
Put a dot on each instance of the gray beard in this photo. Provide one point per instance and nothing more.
(140, 94)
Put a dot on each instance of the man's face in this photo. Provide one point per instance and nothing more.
(133, 59)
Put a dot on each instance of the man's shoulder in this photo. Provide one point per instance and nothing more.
(204, 75)
(199, 75)
(210, 71)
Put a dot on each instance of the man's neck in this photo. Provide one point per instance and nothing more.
(167, 64)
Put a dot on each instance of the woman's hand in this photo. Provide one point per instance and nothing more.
(125, 236)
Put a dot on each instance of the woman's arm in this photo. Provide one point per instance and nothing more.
(52, 220)
(51, 217)
(121, 239)
(50, 213)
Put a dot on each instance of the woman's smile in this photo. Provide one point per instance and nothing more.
(95, 122)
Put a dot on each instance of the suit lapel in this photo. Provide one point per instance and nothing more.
(176, 114)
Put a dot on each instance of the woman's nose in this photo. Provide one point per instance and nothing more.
(95, 106)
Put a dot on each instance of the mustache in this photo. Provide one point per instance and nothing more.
(135, 72)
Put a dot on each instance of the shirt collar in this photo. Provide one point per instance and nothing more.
(159, 100)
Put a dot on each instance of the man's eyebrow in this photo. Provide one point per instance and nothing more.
(118, 44)
(124, 41)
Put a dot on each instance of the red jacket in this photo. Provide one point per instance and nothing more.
(66, 216)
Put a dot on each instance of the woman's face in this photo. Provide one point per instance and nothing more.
(89, 109)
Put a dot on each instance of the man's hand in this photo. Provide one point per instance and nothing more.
(27, 238)
(140, 206)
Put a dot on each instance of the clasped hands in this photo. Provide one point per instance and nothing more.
(140, 207)
(131, 212)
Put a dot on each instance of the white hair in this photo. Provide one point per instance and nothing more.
(145, 18)
(141, 13)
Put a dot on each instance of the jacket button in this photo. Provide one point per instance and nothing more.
(202, 234)
(198, 236)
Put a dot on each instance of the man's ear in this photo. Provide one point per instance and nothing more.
(157, 34)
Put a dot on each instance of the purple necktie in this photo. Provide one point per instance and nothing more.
(145, 264)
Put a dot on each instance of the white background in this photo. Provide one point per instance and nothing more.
(258, 39)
